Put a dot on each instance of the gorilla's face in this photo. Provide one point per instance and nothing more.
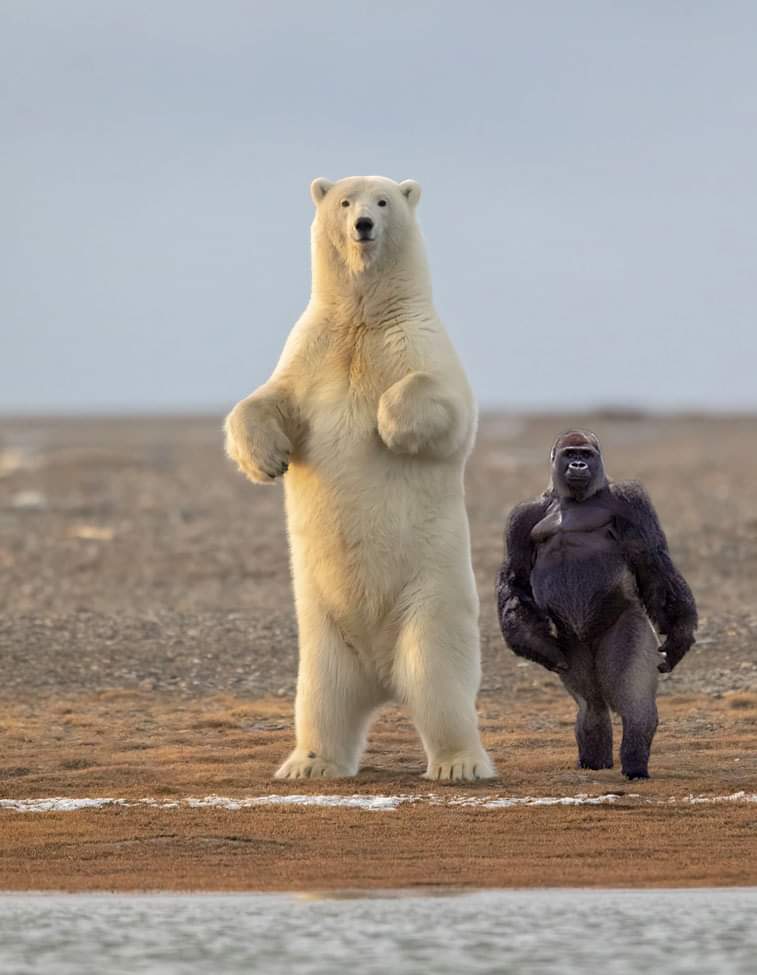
(577, 469)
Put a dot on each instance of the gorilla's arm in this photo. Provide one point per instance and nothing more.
(524, 626)
(663, 590)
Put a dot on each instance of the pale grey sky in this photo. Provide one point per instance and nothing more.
(589, 173)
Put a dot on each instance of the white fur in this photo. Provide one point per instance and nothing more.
(370, 408)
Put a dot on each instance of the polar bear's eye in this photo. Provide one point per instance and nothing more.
(382, 203)
(345, 203)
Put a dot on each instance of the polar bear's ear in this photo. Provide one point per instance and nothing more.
(319, 188)
(411, 191)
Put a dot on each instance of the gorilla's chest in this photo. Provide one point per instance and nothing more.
(566, 522)
(579, 573)
(575, 531)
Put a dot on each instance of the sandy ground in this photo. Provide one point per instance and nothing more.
(136, 744)
(148, 648)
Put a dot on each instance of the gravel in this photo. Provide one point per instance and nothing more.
(132, 555)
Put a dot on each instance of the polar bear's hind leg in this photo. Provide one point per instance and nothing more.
(336, 697)
(437, 676)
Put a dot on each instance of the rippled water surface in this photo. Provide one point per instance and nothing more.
(556, 931)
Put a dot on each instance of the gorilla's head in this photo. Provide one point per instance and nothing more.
(577, 469)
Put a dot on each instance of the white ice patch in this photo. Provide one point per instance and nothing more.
(379, 803)
(508, 802)
(59, 804)
(64, 804)
(733, 797)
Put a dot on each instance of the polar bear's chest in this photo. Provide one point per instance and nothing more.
(340, 418)
(364, 361)
(344, 388)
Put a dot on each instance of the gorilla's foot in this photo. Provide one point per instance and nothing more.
(594, 763)
(462, 767)
(636, 773)
(303, 764)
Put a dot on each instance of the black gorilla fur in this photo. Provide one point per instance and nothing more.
(587, 568)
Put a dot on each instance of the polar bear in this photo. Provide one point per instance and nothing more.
(368, 418)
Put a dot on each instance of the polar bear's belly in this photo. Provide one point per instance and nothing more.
(363, 525)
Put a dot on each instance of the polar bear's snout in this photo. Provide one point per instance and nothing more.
(364, 229)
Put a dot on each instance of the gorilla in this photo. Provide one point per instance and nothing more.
(587, 568)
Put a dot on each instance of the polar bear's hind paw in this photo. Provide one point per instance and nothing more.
(461, 768)
(309, 765)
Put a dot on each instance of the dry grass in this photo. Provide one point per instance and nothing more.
(134, 745)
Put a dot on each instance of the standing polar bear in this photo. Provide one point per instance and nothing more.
(370, 416)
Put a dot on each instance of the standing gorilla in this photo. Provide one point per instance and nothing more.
(587, 567)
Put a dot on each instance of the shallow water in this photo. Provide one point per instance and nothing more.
(555, 931)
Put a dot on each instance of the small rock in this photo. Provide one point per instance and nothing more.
(95, 533)
(29, 501)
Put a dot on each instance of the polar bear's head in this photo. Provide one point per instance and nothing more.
(364, 219)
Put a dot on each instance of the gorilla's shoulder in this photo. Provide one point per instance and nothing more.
(527, 513)
(631, 493)
(634, 506)
(532, 506)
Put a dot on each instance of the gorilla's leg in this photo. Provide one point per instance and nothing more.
(594, 735)
(437, 673)
(627, 659)
(593, 725)
(336, 697)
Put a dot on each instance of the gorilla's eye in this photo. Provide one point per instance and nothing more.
(382, 203)
(345, 203)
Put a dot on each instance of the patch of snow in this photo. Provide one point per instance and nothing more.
(380, 803)
(579, 800)
(372, 803)
(59, 804)
(733, 797)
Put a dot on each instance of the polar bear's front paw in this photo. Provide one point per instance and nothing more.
(258, 447)
(409, 417)
(463, 767)
(398, 437)
(309, 765)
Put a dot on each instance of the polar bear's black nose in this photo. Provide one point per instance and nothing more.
(364, 225)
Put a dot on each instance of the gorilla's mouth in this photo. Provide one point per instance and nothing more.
(574, 475)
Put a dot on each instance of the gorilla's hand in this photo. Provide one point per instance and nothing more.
(664, 666)
(547, 652)
(672, 651)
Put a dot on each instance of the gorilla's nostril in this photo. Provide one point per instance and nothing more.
(364, 224)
